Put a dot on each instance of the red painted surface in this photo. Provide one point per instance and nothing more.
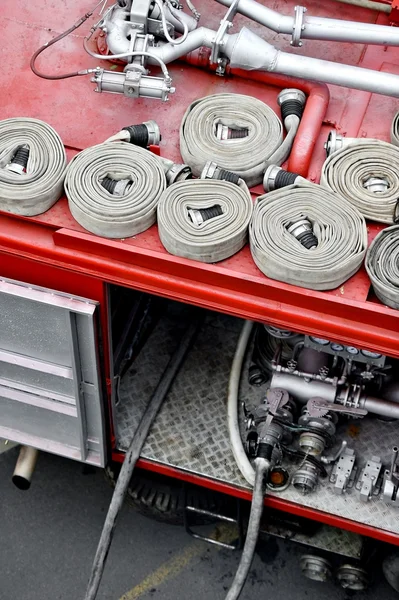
(53, 250)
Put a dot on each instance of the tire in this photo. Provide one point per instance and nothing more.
(163, 498)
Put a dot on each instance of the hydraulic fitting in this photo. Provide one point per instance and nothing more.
(302, 230)
(116, 187)
(305, 478)
(212, 171)
(275, 178)
(223, 132)
(19, 161)
(144, 135)
(199, 216)
(291, 102)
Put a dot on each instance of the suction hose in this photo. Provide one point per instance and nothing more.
(133, 454)
(262, 466)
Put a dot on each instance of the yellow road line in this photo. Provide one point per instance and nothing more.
(174, 566)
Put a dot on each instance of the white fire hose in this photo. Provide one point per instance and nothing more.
(395, 130)
(382, 265)
(339, 227)
(185, 204)
(32, 166)
(137, 177)
(247, 156)
(366, 174)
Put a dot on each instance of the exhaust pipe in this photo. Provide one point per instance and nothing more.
(25, 466)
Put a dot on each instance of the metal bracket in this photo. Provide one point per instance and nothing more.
(369, 482)
(190, 510)
(344, 471)
(391, 480)
(131, 85)
(139, 14)
(298, 26)
(218, 42)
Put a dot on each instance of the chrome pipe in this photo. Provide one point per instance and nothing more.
(318, 28)
(380, 407)
(25, 467)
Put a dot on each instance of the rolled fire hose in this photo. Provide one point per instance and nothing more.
(395, 130)
(339, 228)
(99, 210)
(32, 166)
(382, 265)
(366, 174)
(247, 156)
(226, 210)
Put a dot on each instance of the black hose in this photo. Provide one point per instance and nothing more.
(54, 41)
(262, 466)
(133, 454)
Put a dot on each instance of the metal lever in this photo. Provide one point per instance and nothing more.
(318, 403)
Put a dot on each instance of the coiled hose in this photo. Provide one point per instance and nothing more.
(247, 156)
(226, 210)
(39, 184)
(395, 130)
(382, 265)
(339, 227)
(96, 208)
(366, 174)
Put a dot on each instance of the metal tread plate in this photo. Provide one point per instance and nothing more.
(190, 431)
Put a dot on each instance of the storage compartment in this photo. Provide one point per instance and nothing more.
(190, 432)
(50, 392)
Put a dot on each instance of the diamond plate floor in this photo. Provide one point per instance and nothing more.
(190, 432)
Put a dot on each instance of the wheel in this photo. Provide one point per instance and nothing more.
(390, 568)
(163, 498)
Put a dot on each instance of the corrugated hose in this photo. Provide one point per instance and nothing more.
(261, 143)
(103, 212)
(366, 174)
(229, 207)
(382, 265)
(339, 227)
(32, 166)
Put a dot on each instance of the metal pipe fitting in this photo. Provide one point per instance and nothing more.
(275, 178)
(305, 478)
(223, 132)
(212, 171)
(291, 102)
(174, 171)
(116, 187)
(316, 568)
(144, 135)
(303, 231)
(19, 161)
(302, 389)
(376, 185)
(25, 467)
(199, 216)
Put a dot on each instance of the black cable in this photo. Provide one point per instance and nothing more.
(54, 41)
(133, 454)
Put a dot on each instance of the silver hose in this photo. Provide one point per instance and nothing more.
(214, 239)
(36, 188)
(103, 213)
(382, 265)
(247, 156)
(366, 174)
(317, 28)
(339, 228)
